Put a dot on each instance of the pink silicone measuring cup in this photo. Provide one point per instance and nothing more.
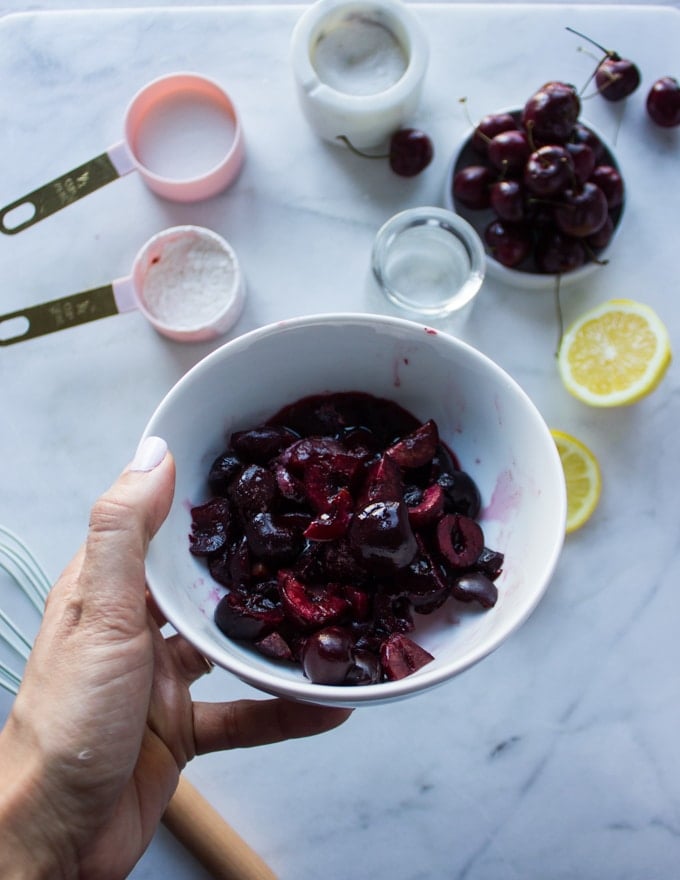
(128, 293)
(160, 100)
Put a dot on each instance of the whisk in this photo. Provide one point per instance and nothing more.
(190, 818)
(22, 566)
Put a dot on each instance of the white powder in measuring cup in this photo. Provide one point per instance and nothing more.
(188, 283)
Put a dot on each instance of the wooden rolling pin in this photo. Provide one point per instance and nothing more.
(197, 825)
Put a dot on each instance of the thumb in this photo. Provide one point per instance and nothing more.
(122, 522)
(148, 483)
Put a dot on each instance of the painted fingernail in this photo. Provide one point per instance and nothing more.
(150, 453)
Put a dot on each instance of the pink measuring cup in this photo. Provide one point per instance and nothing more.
(159, 106)
(131, 292)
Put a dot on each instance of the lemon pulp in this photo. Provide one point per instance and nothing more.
(615, 354)
(582, 477)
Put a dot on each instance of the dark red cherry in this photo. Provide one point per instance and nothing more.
(600, 239)
(475, 587)
(424, 582)
(557, 253)
(209, 527)
(275, 646)
(290, 487)
(249, 617)
(471, 186)
(429, 507)
(332, 524)
(509, 243)
(400, 656)
(488, 127)
(551, 113)
(381, 535)
(509, 151)
(490, 562)
(581, 134)
(548, 170)
(365, 669)
(507, 200)
(327, 655)
(610, 182)
(262, 443)
(383, 482)
(310, 607)
(663, 102)
(583, 211)
(461, 493)
(360, 602)
(460, 540)
(222, 472)
(254, 489)
(583, 158)
(275, 537)
(392, 614)
(411, 151)
(417, 448)
(232, 566)
(616, 77)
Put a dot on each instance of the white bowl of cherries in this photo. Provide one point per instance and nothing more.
(542, 189)
(364, 508)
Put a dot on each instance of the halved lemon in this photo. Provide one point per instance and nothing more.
(614, 354)
(582, 477)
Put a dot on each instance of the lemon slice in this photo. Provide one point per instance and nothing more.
(614, 354)
(582, 476)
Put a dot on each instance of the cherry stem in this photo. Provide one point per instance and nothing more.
(592, 95)
(592, 76)
(592, 55)
(608, 52)
(358, 152)
(560, 319)
(463, 101)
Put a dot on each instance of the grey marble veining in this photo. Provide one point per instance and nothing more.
(556, 757)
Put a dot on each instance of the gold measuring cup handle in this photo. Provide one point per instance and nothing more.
(60, 192)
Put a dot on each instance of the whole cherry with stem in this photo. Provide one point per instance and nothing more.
(615, 77)
(410, 151)
(488, 127)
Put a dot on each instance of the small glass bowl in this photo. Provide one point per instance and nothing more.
(429, 262)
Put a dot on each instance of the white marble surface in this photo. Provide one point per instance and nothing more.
(557, 756)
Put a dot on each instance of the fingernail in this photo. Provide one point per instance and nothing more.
(150, 453)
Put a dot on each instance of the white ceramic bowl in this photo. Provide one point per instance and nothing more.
(483, 415)
(369, 116)
(525, 277)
